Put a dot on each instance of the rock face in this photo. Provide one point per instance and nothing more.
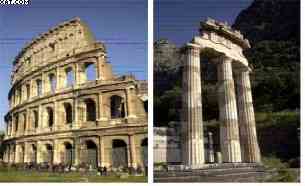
(270, 19)
(167, 82)
(273, 28)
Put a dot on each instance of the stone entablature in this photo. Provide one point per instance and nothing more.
(55, 101)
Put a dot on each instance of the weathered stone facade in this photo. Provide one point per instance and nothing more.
(58, 115)
(223, 46)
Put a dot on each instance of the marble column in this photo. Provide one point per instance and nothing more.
(229, 132)
(248, 138)
(192, 124)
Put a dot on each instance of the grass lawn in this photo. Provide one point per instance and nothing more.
(31, 176)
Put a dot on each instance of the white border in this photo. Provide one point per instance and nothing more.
(150, 47)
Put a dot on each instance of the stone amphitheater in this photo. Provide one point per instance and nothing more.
(67, 107)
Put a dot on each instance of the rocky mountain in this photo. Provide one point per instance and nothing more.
(273, 28)
(270, 19)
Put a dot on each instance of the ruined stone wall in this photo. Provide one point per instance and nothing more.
(54, 104)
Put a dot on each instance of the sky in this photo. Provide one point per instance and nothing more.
(178, 20)
(120, 24)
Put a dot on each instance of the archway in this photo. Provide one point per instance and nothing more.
(49, 153)
(119, 153)
(90, 71)
(117, 107)
(68, 155)
(22, 154)
(68, 113)
(144, 151)
(50, 116)
(90, 110)
(92, 156)
(33, 155)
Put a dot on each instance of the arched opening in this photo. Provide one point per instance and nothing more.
(119, 153)
(91, 153)
(49, 154)
(145, 103)
(144, 144)
(24, 122)
(28, 91)
(90, 110)
(22, 154)
(69, 77)
(117, 107)
(68, 155)
(50, 116)
(33, 154)
(68, 113)
(39, 87)
(90, 71)
(16, 123)
(35, 118)
(52, 82)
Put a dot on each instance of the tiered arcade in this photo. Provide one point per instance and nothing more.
(67, 107)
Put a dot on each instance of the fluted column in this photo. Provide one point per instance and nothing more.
(248, 138)
(229, 132)
(192, 124)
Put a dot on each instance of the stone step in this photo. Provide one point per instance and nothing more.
(233, 174)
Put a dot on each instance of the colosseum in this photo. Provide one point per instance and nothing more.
(67, 107)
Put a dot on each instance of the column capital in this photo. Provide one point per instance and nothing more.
(191, 46)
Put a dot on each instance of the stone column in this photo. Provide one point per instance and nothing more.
(77, 148)
(131, 102)
(248, 139)
(133, 151)
(102, 147)
(101, 108)
(229, 132)
(211, 148)
(192, 124)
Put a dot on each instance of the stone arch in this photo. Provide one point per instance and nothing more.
(68, 112)
(49, 116)
(144, 151)
(38, 87)
(33, 153)
(90, 71)
(69, 77)
(68, 157)
(52, 82)
(117, 107)
(35, 119)
(48, 153)
(145, 104)
(90, 151)
(28, 91)
(90, 109)
(22, 153)
(24, 119)
(119, 153)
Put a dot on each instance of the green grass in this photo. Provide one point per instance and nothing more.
(285, 174)
(34, 176)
